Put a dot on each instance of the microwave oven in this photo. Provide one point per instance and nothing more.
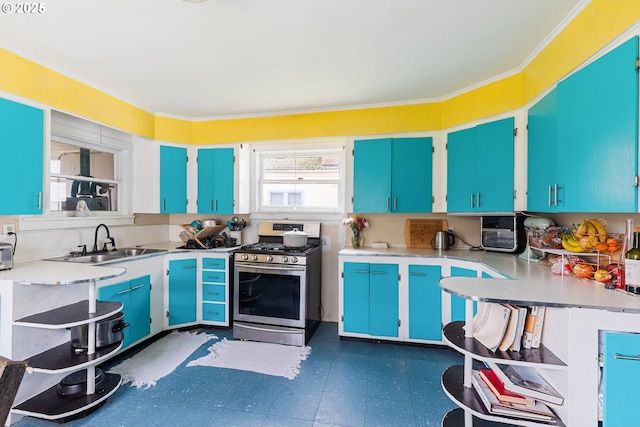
(503, 233)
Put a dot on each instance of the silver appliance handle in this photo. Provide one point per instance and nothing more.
(254, 267)
(268, 329)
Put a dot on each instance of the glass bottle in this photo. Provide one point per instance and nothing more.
(632, 266)
(627, 242)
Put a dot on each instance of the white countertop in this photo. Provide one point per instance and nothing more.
(528, 283)
(64, 273)
(58, 273)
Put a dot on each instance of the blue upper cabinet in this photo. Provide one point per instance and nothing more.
(480, 168)
(22, 139)
(215, 180)
(543, 188)
(173, 179)
(393, 175)
(598, 134)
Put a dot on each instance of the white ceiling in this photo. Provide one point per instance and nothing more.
(225, 58)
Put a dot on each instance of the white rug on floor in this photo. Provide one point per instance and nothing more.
(161, 358)
(265, 358)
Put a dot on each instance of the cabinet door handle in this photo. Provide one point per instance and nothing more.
(549, 196)
(378, 272)
(478, 200)
(555, 202)
(387, 203)
(472, 199)
(361, 271)
(622, 356)
(210, 204)
(136, 287)
(418, 274)
(164, 204)
(188, 266)
(40, 200)
(395, 203)
(126, 291)
(215, 205)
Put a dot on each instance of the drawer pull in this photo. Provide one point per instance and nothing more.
(215, 313)
(622, 356)
(418, 274)
(362, 271)
(213, 293)
(378, 272)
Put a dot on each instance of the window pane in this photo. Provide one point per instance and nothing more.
(68, 161)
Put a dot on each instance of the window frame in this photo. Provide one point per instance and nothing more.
(298, 148)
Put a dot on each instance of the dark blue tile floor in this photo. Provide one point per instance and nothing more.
(342, 383)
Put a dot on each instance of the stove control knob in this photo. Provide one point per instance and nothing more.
(294, 259)
(284, 259)
(245, 257)
(269, 258)
(254, 257)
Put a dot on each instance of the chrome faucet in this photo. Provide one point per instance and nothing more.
(109, 238)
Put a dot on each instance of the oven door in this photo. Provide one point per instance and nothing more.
(273, 295)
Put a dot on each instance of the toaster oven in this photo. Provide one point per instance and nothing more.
(503, 233)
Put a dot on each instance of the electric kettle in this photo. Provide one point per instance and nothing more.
(444, 240)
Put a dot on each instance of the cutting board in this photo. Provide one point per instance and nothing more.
(419, 233)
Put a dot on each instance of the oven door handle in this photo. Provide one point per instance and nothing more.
(256, 268)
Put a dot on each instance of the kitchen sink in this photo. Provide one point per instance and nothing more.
(106, 256)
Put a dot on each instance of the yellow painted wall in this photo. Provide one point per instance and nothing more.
(597, 25)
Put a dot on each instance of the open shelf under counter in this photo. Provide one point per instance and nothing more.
(65, 358)
(70, 315)
(49, 406)
(455, 418)
(467, 398)
(453, 334)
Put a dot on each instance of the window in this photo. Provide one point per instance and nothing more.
(81, 174)
(307, 179)
(84, 160)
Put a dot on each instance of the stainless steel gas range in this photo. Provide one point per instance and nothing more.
(277, 288)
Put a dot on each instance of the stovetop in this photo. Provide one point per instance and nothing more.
(275, 248)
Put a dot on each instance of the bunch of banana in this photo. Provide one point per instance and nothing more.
(591, 234)
(570, 243)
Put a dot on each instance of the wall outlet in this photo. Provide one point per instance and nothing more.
(8, 228)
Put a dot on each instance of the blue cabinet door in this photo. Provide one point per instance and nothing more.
(411, 177)
(461, 170)
(22, 140)
(480, 168)
(173, 179)
(383, 300)
(494, 166)
(425, 302)
(621, 380)
(544, 192)
(356, 297)
(140, 308)
(598, 133)
(119, 292)
(182, 291)
(372, 175)
(215, 180)
(458, 304)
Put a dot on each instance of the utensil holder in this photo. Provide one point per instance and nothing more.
(236, 235)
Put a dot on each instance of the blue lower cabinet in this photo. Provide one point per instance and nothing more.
(214, 312)
(182, 291)
(458, 303)
(425, 302)
(135, 296)
(214, 292)
(370, 299)
(621, 380)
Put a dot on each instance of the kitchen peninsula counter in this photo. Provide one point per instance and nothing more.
(527, 283)
(58, 273)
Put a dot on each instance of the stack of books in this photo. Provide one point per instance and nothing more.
(508, 327)
(516, 391)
